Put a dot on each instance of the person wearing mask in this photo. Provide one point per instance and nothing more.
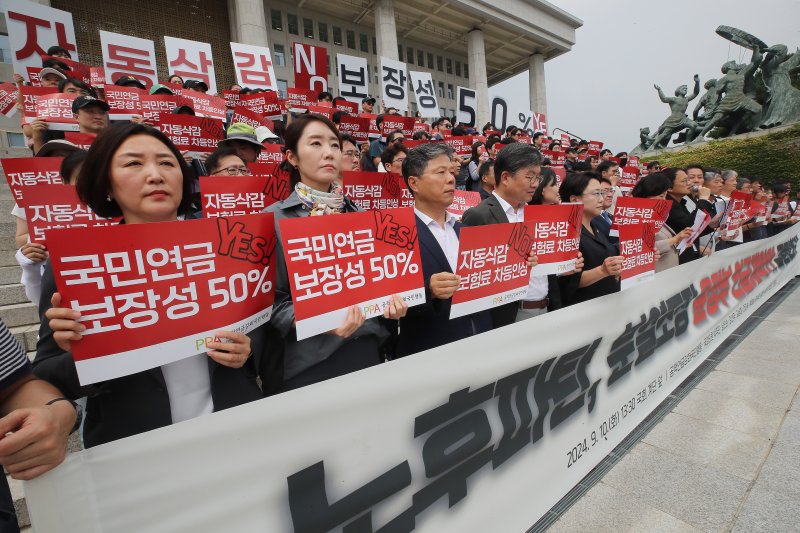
(602, 263)
(134, 171)
(313, 157)
(655, 187)
(486, 173)
(91, 114)
(428, 175)
(680, 216)
(516, 171)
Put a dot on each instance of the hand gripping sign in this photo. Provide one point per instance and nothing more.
(556, 236)
(337, 261)
(629, 210)
(152, 294)
(493, 266)
(23, 173)
(637, 245)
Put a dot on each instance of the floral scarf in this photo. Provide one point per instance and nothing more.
(321, 203)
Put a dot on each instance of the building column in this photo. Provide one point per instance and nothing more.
(251, 25)
(233, 21)
(476, 57)
(385, 30)
(538, 93)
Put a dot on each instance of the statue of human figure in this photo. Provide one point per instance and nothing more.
(707, 103)
(777, 69)
(645, 141)
(732, 84)
(677, 119)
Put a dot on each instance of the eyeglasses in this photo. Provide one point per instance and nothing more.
(399, 160)
(350, 153)
(607, 192)
(233, 171)
(531, 179)
(598, 193)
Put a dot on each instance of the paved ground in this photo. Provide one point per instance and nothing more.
(726, 458)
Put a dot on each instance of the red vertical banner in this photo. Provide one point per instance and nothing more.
(493, 266)
(629, 210)
(310, 67)
(637, 245)
(55, 207)
(556, 236)
(338, 261)
(23, 173)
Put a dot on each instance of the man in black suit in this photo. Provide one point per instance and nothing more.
(428, 174)
(516, 172)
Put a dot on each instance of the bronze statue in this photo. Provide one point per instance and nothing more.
(645, 141)
(707, 103)
(777, 68)
(677, 119)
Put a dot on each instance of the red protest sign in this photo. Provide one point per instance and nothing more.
(629, 178)
(629, 210)
(245, 116)
(151, 294)
(373, 124)
(397, 122)
(80, 71)
(595, 146)
(56, 110)
(356, 127)
(124, 102)
(337, 261)
(493, 266)
(461, 145)
(30, 95)
(637, 244)
(376, 190)
(54, 207)
(325, 111)
(192, 134)
(227, 196)
(347, 107)
(270, 153)
(206, 105)
(33, 76)
(8, 98)
(556, 236)
(463, 200)
(81, 140)
(557, 158)
(310, 67)
(298, 99)
(266, 104)
(155, 105)
(23, 173)
(566, 141)
(97, 75)
(758, 211)
(231, 98)
(279, 186)
(737, 213)
(423, 126)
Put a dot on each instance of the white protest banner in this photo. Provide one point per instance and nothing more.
(426, 95)
(458, 438)
(32, 29)
(394, 84)
(124, 55)
(310, 67)
(353, 77)
(253, 66)
(191, 60)
(467, 106)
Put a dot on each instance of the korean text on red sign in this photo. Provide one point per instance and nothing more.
(637, 244)
(8, 98)
(227, 196)
(23, 173)
(629, 210)
(51, 207)
(152, 294)
(556, 236)
(493, 266)
(192, 134)
(56, 110)
(463, 200)
(376, 190)
(30, 95)
(629, 178)
(337, 261)
(124, 102)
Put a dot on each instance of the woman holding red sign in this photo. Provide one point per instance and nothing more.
(313, 155)
(134, 171)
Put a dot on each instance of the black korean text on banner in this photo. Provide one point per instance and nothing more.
(310, 67)
(32, 29)
(253, 66)
(394, 83)
(191, 60)
(425, 93)
(124, 55)
(353, 77)
(467, 106)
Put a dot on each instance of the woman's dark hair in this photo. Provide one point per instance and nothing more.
(53, 50)
(420, 135)
(291, 138)
(475, 156)
(213, 161)
(548, 179)
(337, 116)
(553, 144)
(487, 126)
(652, 185)
(780, 188)
(574, 184)
(94, 180)
(70, 163)
(348, 139)
(77, 83)
(176, 76)
(671, 174)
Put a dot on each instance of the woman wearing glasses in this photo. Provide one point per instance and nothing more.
(602, 265)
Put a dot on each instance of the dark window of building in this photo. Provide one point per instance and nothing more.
(450, 91)
(441, 89)
(280, 55)
(291, 23)
(282, 87)
(277, 19)
(430, 61)
(466, 71)
(323, 32)
(439, 64)
(410, 55)
(458, 68)
(351, 39)
(449, 63)
(374, 46)
(363, 42)
(337, 35)
(308, 28)
(420, 58)
(329, 64)
(399, 53)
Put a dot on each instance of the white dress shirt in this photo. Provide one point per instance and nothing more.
(537, 286)
(446, 236)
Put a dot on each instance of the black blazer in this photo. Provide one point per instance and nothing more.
(428, 326)
(680, 218)
(131, 404)
(595, 248)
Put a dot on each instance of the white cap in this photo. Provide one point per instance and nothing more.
(263, 133)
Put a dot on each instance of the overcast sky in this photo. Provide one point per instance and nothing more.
(603, 88)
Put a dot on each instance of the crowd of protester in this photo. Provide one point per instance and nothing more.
(129, 160)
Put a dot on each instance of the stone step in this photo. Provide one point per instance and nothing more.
(10, 274)
(27, 336)
(8, 228)
(7, 257)
(19, 314)
(13, 294)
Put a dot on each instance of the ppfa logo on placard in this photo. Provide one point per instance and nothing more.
(201, 342)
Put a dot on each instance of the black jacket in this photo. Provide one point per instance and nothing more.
(680, 218)
(595, 248)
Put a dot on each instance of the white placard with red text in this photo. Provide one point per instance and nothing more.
(191, 60)
(253, 66)
(124, 55)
